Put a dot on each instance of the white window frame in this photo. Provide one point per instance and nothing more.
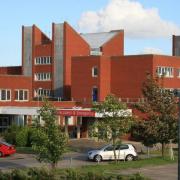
(95, 87)
(43, 60)
(93, 71)
(42, 92)
(6, 91)
(42, 76)
(23, 90)
(178, 72)
(168, 72)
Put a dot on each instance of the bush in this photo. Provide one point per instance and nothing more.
(46, 174)
(10, 134)
(138, 176)
(18, 174)
(42, 174)
(22, 137)
(19, 136)
(4, 175)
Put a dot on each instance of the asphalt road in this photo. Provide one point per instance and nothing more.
(165, 172)
(29, 160)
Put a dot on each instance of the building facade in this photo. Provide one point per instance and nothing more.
(175, 45)
(72, 70)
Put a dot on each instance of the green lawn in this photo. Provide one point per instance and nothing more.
(24, 150)
(112, 169)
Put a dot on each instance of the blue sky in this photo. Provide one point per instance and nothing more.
(148, 24)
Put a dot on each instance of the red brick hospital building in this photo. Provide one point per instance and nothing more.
(73, 70)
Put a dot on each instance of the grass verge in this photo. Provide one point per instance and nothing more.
(25, 150)
(111, 167)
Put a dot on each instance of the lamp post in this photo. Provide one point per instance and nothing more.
(39, 118)
(39, 89)
(177, 94)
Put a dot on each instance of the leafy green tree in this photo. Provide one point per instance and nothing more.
(115, 122)
(49, 141)
(160, 108)
(145, 131)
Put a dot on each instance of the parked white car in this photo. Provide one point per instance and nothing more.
(123, 152)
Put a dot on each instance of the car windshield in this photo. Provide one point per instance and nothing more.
(5, 143)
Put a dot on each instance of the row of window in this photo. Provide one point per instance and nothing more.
(161, 71)
(43, 60)
(23, 94)
(43, 92)
(20, 95)
(167, 71)
(42, 76)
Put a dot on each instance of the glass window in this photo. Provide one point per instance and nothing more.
(42, 92)
(42, 77)
(25, 95)
(43, 60)
(21, 95)
(124, 146)
(109, 148)
(95, 94)
(178, 72)
(94, 71)
(165, 71)
(5, 95)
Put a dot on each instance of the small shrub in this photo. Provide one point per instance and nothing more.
(19, 136)
(4, 175)
(41, 174)
(73, 175)
(18, 174)
(10, 134)
(22, 137)
(138, 176)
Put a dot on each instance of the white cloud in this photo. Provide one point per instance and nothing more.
(129, 15)
(151, 50)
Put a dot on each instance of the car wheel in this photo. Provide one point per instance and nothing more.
(1, 154)
(98, 158)
(129, 157)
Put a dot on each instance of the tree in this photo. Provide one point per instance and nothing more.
(115, 121)
(160, 108)
(49, 141)
(146, 132)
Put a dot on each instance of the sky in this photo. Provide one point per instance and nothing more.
(148, 24)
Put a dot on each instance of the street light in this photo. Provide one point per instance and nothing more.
(39, 89)
(39, 118)
(177, 94)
